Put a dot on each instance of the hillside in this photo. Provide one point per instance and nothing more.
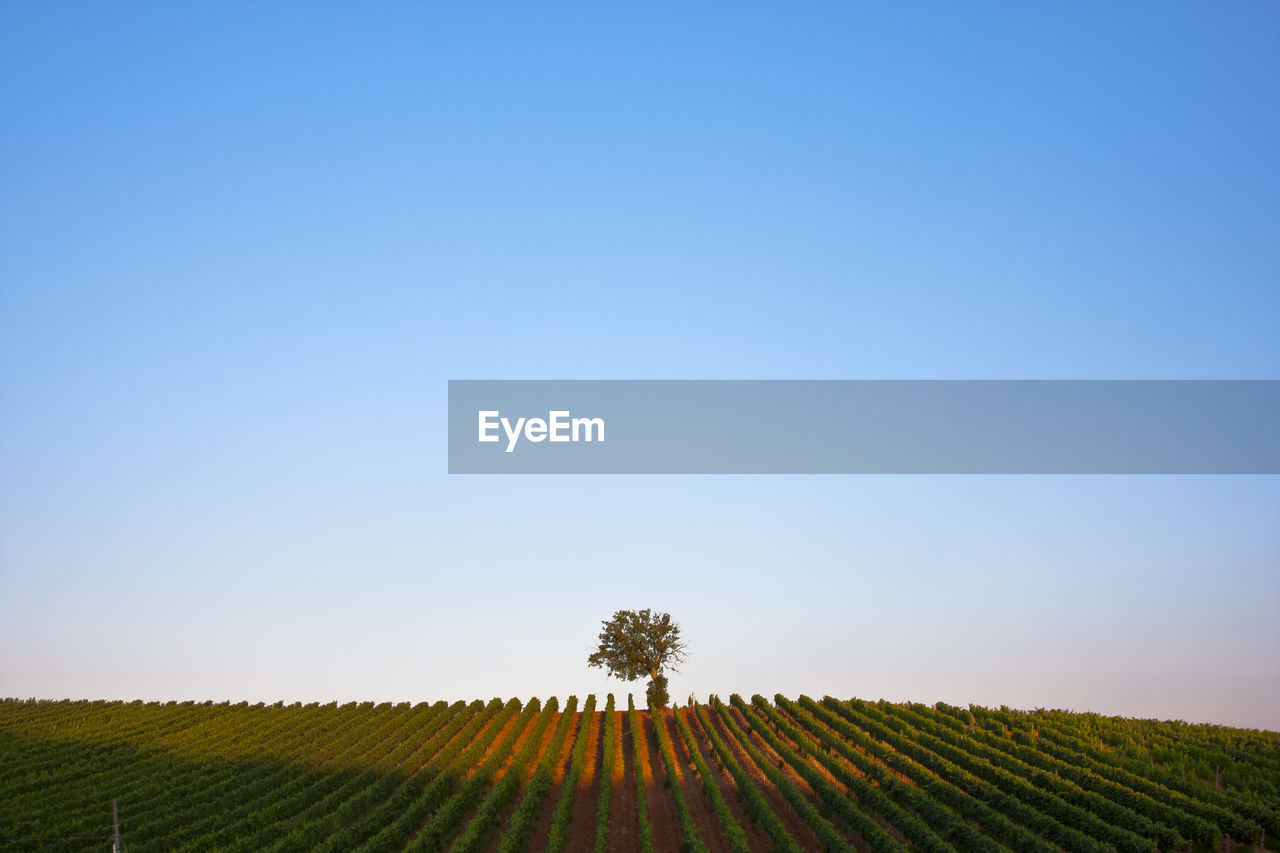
(741, 775)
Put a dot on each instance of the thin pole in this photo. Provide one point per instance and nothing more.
(116, 846)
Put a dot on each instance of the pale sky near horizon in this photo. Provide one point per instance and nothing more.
(243, 247)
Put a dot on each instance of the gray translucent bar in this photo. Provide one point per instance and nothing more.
(868, 427)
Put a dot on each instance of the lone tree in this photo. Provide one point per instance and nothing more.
(635, 643)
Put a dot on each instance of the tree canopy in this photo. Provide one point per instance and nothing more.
(635, 643)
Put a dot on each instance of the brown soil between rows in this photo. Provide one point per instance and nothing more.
(816, 766)
(769, 753)
(503, 733)
(700, 808)
(624, 832)
(662, 806)
(757, 838)
(582, 819)
(624, 815)
(548, 735)
(471, 771)
(849, 768)
(521, 739)
(793, 774)
(778, 803)
(542, 825)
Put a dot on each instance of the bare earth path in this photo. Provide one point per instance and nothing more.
(624, 818)
(582, 823)
(756, 836)
(542, 826)
(704, 816)
(662, 808)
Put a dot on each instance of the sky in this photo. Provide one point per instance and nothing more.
(243, 248)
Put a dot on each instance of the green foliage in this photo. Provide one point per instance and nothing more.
(638, 749)
(559, 833)
(692, 842)
(490, 811)
(516, 838)
(657, 694)
(194, 776)
(837, 803)
(636, 643)
(902, 738)
(733, 832)
(949, 808)
(390, 820)
(869, 796)
(1095, 816)
(606, 778)
(432, 836)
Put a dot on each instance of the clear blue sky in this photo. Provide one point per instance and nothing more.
(244, 246)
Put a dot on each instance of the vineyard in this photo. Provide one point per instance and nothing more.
(737, 775)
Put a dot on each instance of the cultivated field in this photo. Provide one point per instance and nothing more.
(741, 775)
